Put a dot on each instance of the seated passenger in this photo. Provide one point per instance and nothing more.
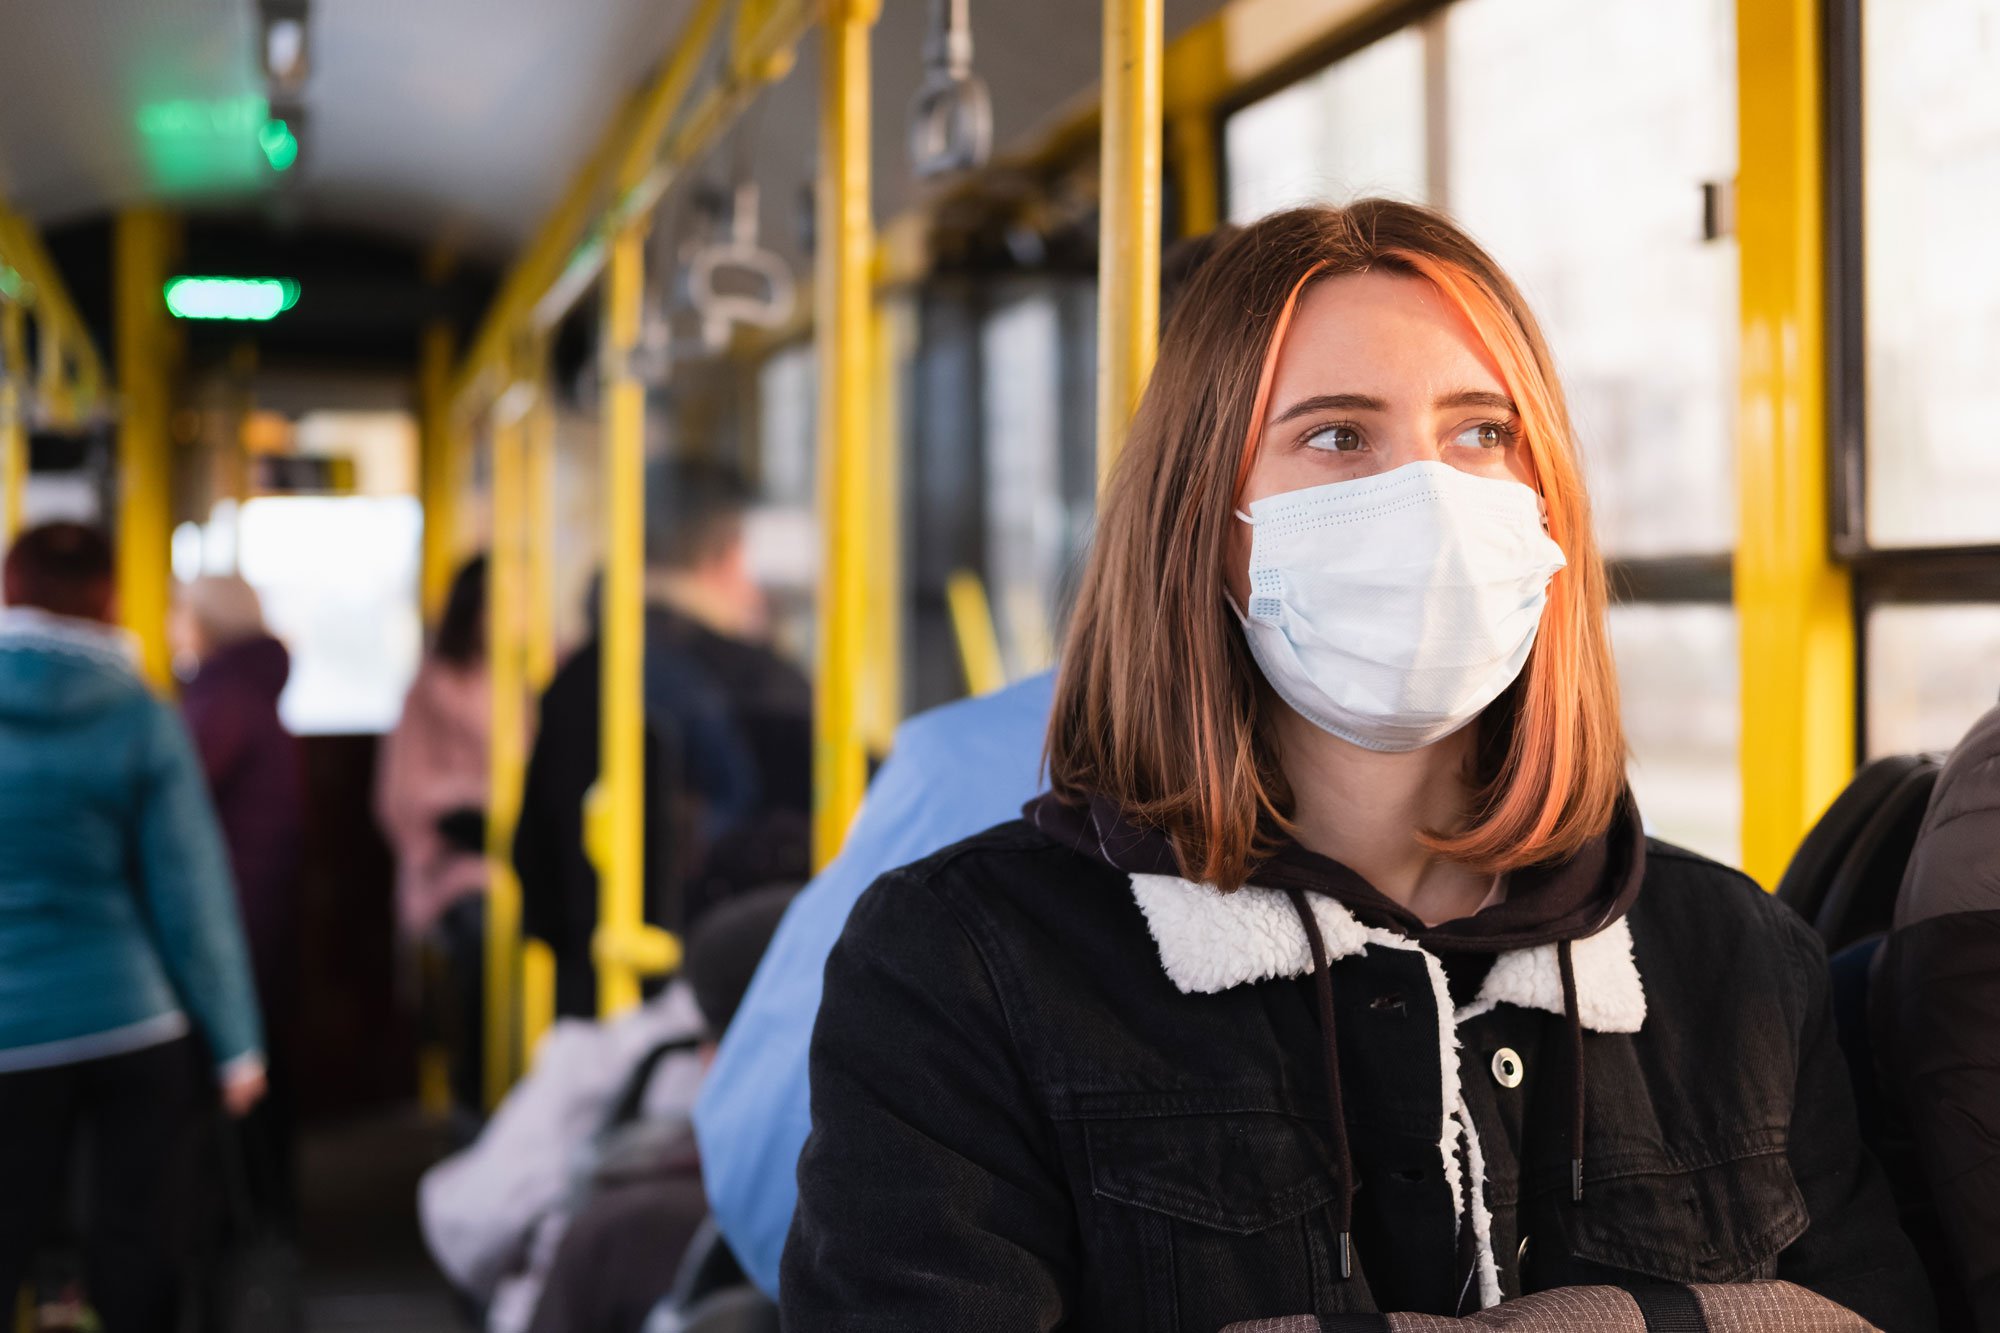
(431, 788)
(950, 773)
(729, 727)
(1335, 973)
(124, 984)
(1934, 1010)
(623, 1249)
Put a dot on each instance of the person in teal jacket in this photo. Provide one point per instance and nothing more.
(122, 963)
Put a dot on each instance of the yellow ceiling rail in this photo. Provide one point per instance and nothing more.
(1128, 252)
(1795, 623)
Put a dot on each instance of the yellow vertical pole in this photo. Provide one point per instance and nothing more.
(13, 418)
(507, 747)
(617, 812)
(1197, 74)
(1795, 622)
(141, 244)
(440, 473)
(841, 303)
(1128, 247)
(538, 964)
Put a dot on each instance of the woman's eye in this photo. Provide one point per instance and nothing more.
(1335, 439)
(1486, 435)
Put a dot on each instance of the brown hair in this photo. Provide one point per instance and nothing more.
(60, 567)
(1158, 700)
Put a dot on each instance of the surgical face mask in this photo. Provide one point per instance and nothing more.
(1391, 610)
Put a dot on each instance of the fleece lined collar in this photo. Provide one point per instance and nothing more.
(1210, 942)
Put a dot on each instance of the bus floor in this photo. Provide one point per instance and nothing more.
(365, 1266)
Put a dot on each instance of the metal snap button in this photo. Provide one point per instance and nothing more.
(1507, 1068)
(1521, 1255)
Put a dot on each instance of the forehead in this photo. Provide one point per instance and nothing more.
(1389, 329)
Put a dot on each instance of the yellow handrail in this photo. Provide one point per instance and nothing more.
(972, 626)
(13, 417)
(843, 267)
(507, 752)
(1128, 248)
(1795, 623)
(76, 376)
(142, 244)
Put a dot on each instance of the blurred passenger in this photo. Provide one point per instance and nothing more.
(950, 773)
(1335, 974)
(1935, 1015)
(430, 797)
(621, 1252)
(728, 721)
(123, 973)
(256, 779)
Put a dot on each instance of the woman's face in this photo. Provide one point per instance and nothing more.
(1376, 371)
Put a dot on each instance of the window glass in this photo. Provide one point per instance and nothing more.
(1932, 670)
(1677, 682)
(1355, 128)
(1931, 177)
(338, 579)
(1026, 522)
(1580, 133)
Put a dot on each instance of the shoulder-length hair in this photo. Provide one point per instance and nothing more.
(1158, 702)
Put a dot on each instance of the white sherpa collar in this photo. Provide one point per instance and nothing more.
(1212, 941)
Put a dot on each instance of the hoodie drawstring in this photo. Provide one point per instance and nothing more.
(1330, 1054)
(1566, 963)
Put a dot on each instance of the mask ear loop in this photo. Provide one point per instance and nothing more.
(1262, 402)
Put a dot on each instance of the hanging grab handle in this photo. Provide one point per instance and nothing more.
(951, 119)
(737, 281)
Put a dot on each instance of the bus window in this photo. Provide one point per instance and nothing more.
(1355, 128)
(1930, 173)
(1677, 677)
(1932, 670)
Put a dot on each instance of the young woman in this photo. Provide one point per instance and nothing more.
(1335, 973)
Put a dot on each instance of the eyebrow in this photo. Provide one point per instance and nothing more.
(1361, 402)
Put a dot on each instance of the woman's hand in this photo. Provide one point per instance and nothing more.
(242, 1089)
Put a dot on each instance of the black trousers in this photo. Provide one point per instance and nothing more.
(135, 1117)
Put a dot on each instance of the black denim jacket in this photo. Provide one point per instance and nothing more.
(1020, 1122)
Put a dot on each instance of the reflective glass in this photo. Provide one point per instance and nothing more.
(1677, 681)
(338, 579)
(1932, 670)
(1931, 180)
(1355, 128)
(1027, 549)
(1580, 134)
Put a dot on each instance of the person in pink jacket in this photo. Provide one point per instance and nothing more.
(430, 798)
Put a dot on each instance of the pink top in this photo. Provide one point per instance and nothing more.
(433, 763)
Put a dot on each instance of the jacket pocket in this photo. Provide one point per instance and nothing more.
(1216, 1217)
(1726, 1222)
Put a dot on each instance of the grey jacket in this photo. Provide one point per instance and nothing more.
(1935, 1010)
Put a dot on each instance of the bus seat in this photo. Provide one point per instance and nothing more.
(1846, 872)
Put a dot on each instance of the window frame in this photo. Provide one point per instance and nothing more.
(1878, 575)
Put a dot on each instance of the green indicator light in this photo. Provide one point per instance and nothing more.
(12, 284)
(280, 145)
(231, 298)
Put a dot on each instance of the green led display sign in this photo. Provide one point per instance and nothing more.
(255, 299)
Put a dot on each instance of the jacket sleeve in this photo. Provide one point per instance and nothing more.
(1937, 1003)
(184, 882)
(929, 1197)
(1853, 1251)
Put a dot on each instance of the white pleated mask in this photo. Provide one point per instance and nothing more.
(1391, 610)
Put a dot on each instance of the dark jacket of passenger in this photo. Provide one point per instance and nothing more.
(256, 777)
(1935, 1010)
(1049, 1091)
(729, 736)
